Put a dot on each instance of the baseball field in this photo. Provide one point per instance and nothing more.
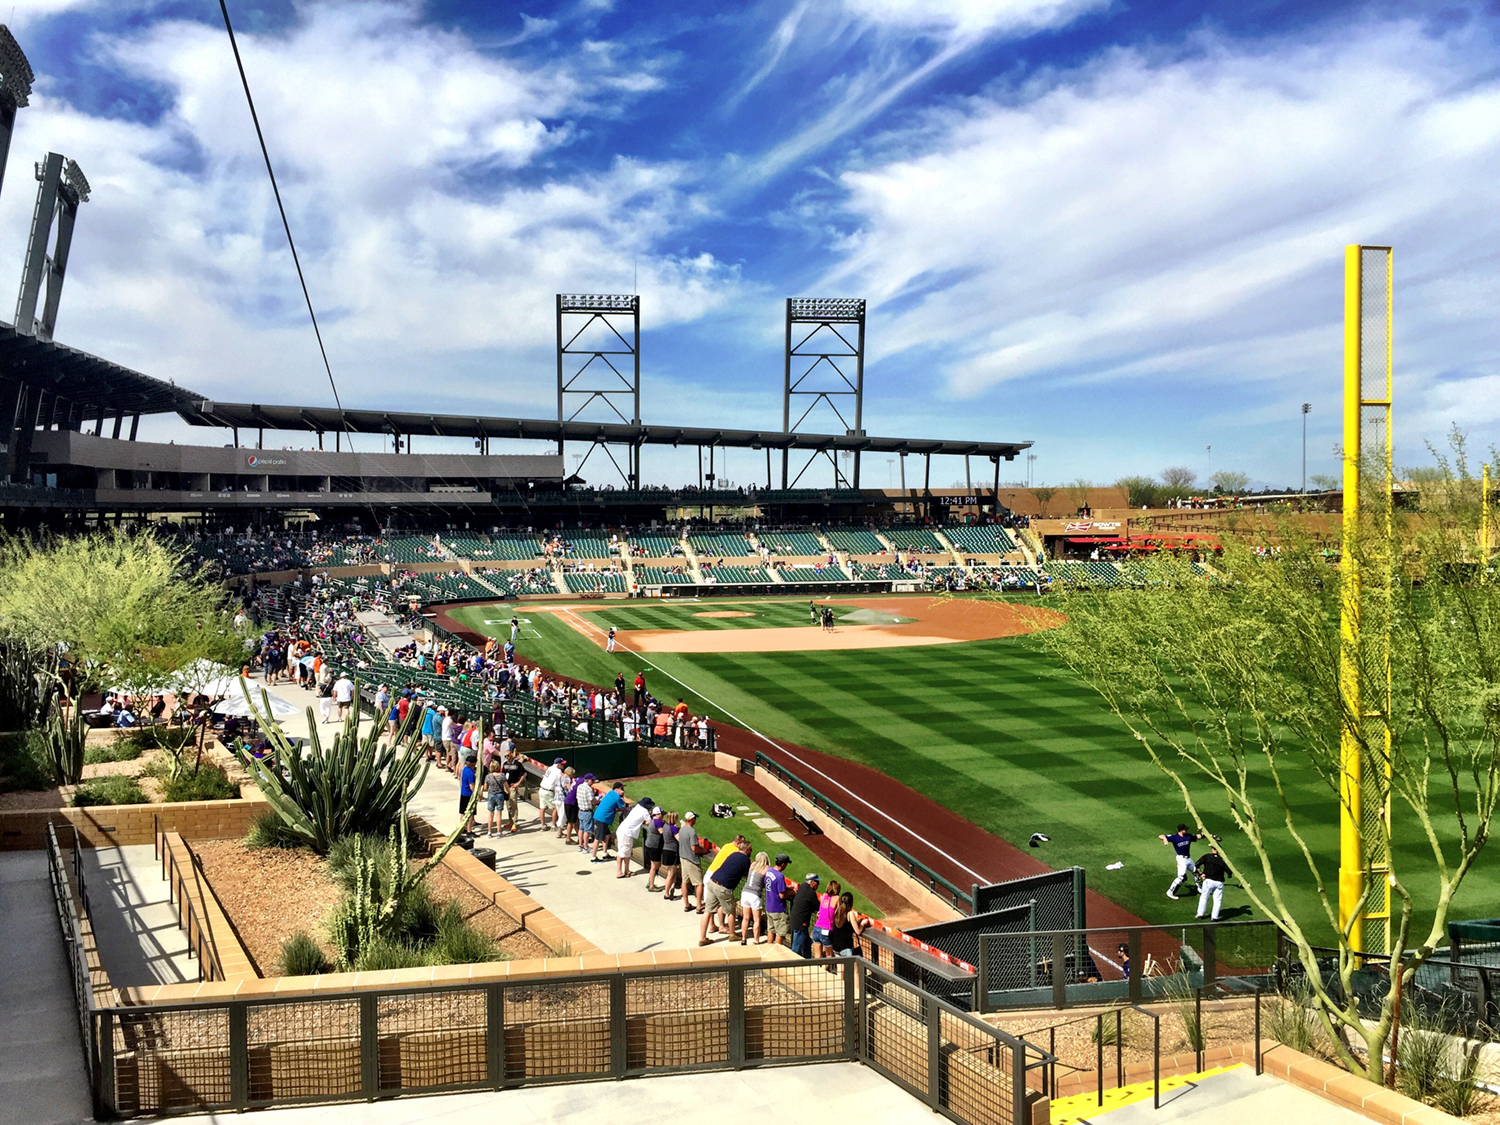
(992, 729)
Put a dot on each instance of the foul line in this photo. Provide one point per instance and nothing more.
(777, 746)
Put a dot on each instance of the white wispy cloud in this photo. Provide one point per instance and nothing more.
(424, 188)
(1153, 217)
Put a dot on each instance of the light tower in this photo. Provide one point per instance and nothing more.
(825, 363)
(15, 90)
(61, 187)
(599, 366)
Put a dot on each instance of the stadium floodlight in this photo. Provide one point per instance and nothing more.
(16, 75)
(825, 367)
(1365, 599)
(15, 90)
(599, 368)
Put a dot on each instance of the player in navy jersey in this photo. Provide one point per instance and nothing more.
(1182, 842)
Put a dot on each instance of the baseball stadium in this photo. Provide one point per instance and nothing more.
(1105, 840)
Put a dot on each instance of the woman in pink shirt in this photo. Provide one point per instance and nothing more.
(828, 902)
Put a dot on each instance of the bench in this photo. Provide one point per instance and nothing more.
(808, 826)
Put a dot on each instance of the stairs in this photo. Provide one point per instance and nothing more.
(954, 553)
(1086, 1107)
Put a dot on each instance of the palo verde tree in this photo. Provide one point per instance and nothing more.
(130, 609)
(1233, 685)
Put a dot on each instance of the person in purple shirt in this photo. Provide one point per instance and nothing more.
(777, 924)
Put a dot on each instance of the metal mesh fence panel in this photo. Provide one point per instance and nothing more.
(171, 1060)
(960, 938)
(303, 1050)
(432, 1039)
(1058, 907)
(896, 1032)
(974, 1076)
(557, 1030)
(677, 1020)
(796, 1011)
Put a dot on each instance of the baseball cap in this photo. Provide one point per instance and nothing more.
(783, 858)
(689, 816)
(813, 877)
(558, 761)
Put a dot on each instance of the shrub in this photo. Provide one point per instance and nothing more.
(114, 790)
(1433, 1066)
(120, 750)
(301, 956)
(23, 762)
(389, 953)
(268, 830)
(459, 943)
(208, 782)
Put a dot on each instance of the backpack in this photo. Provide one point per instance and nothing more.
(722, 811)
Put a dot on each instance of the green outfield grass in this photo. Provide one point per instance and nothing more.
(763, 614)
(996, 731)
(701, 791)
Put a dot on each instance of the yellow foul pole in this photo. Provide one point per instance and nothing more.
(1364, 671)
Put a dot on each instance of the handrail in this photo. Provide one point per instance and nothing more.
(959, 899)
(1155, 1052)
(199, 929)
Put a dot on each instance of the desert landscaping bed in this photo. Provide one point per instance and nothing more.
(270, 893)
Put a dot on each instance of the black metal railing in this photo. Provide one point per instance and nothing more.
(960, 899)
(1123, 964)
(71, 912)
(235, 1054)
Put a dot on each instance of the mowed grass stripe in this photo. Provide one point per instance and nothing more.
(998, 732)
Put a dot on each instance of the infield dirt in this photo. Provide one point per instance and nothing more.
(932, 621)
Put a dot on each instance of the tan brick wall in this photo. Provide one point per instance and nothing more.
(132, 824)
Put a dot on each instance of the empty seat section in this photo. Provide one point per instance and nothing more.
(726, 545)
(594, 582)
(515, 546)
(802, 543)
(985, 539)
(813, 574)
(662, 576)
(736, 574)
(914, 539)
(854, 540)
(656, 546)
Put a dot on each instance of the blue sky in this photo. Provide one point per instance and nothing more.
(1111, 228)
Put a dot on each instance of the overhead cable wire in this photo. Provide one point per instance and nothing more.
(287, 226)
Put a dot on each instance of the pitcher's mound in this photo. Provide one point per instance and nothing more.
(723, 613)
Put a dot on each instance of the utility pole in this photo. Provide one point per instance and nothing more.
(1306, 410)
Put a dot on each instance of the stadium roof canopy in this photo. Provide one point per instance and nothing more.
(86, 380)
(330, 420)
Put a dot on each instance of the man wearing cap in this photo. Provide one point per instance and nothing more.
(804, 906)
(466, 792)
(604, 820)
(689, 854)
(551, 803)
(513, 771)
(430, 719)
(733, 864)
(630, 828)
(777, 924)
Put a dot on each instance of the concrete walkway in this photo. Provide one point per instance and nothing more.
(827, 1091)
(135, 923)
(1236, 1097)
(616, 915)
(42, 1079)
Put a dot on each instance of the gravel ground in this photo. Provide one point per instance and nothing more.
(485, 916)
(268, 894)
(1223, 1024)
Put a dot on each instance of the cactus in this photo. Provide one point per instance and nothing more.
(355, 786)
(65, 742)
